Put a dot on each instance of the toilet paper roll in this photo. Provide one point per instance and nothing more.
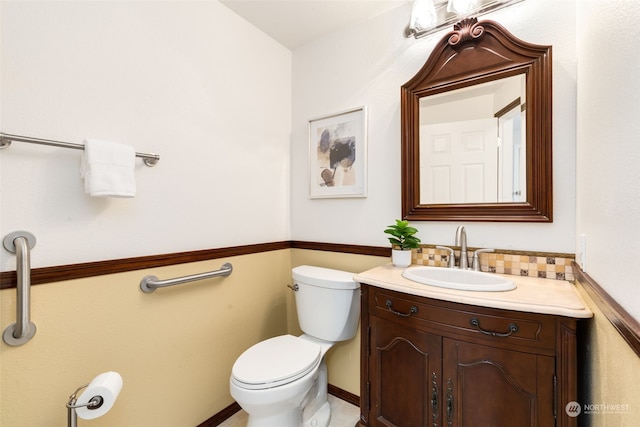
(107, 386)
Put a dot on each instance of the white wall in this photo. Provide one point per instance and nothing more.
(189, 80)
(167, 78)
(608, 149)
(366, 65)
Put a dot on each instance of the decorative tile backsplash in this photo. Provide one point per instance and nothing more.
(519, 263)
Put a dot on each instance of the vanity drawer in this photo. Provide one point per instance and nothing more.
(513, 327)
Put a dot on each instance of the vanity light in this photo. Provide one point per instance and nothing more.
(423, 16)
(462, 6)
(430, 16)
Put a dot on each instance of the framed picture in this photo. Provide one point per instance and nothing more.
(338, 155)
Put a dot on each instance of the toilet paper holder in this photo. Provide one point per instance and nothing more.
(96, 400)
(72, 416)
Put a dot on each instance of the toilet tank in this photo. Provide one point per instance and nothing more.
(327, 302)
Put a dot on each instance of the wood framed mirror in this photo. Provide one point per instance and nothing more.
(476, 129)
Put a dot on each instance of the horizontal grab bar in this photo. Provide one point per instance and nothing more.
(149, 284)
(6, 139)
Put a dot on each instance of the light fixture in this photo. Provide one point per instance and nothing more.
(423, 15)
(430, 16)
(462, 7)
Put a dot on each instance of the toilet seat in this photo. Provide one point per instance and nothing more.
(275, 362)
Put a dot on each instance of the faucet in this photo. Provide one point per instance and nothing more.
(461, 240)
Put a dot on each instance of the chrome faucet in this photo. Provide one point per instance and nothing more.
(461, 240)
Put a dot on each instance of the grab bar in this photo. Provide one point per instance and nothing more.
(20, 243)
(149, 284)
(6, 139)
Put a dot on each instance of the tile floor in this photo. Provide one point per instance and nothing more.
(343, 414)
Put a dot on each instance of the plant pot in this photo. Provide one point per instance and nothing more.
(400, 257)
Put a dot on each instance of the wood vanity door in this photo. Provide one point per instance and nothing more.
(488, 386)
(406, 364)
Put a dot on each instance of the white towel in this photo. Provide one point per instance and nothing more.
(107, 169)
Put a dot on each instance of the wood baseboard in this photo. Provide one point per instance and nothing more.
(344, 395)
(221, 416)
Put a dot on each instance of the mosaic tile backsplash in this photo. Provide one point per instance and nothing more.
(537, 264)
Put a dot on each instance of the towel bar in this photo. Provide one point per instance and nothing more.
(149, 284)
(6, 139)
(20, 243)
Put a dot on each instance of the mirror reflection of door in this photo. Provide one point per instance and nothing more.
(458, 162)
(472, 144)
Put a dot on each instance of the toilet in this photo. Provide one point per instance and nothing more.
(282, 381)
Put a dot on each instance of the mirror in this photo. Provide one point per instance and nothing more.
(476, 129)
(472, 144)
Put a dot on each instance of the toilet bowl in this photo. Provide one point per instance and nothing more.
(282, 381)
(275, 378)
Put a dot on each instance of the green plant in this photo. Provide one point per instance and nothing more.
(403, 235)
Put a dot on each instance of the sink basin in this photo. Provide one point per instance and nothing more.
(465, 280)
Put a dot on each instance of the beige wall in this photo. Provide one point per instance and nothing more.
(610, 374)
(174, 348)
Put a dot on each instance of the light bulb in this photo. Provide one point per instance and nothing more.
(461, 6)
(423, 15)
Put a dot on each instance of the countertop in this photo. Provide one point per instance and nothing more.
(532, 295)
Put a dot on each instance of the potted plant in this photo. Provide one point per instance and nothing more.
(402, 239)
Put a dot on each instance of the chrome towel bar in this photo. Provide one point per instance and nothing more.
(20, 243)
(149, 284)
(6, 140)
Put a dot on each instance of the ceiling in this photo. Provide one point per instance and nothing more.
(295, 22)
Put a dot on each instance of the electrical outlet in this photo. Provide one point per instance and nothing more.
(581, 251)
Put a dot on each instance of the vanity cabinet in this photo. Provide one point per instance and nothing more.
(429, 362)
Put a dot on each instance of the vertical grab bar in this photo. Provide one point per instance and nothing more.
(20, 243)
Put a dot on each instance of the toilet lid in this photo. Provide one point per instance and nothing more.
(275, 362)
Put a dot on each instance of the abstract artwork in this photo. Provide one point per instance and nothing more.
(337, 155)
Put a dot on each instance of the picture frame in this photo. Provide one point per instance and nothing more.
(338, 155)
